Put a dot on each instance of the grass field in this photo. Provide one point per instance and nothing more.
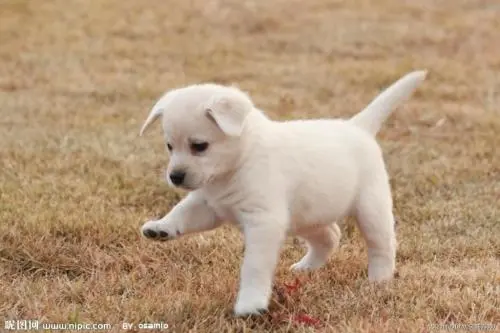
(78, 78)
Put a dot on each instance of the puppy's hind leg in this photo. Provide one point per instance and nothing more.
(376, 222)
(320, 243)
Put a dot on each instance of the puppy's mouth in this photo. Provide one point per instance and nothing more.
(187, 187)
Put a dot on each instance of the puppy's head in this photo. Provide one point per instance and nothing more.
(203, 125)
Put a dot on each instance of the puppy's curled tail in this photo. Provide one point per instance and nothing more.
(373, 116)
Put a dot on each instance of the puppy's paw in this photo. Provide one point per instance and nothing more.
(381, 266)
(159, 231)
(306, 264)
(300, 266)
(253, 305)
(242, 311)
(380, 274)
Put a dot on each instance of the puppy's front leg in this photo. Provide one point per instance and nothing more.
(192, 214)
(264, 234)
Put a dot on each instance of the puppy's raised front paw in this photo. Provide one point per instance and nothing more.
(157, 230)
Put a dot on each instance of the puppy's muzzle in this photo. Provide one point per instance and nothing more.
(177, 177)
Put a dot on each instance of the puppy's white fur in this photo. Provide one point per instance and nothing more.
(274, 179)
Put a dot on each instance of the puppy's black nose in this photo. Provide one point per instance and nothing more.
(177, 177)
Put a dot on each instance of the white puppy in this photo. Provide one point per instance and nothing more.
(274, 179)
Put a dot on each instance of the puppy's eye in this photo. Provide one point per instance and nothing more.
(199, 147)
(169, 147)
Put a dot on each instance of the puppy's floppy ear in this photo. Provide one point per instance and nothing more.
(153, 115)
(229, 110)
(157, 110)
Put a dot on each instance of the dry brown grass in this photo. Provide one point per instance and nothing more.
(78, 77)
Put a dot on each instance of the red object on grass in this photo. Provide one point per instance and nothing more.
(307, 320)
(297, 319)
(292, 287)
